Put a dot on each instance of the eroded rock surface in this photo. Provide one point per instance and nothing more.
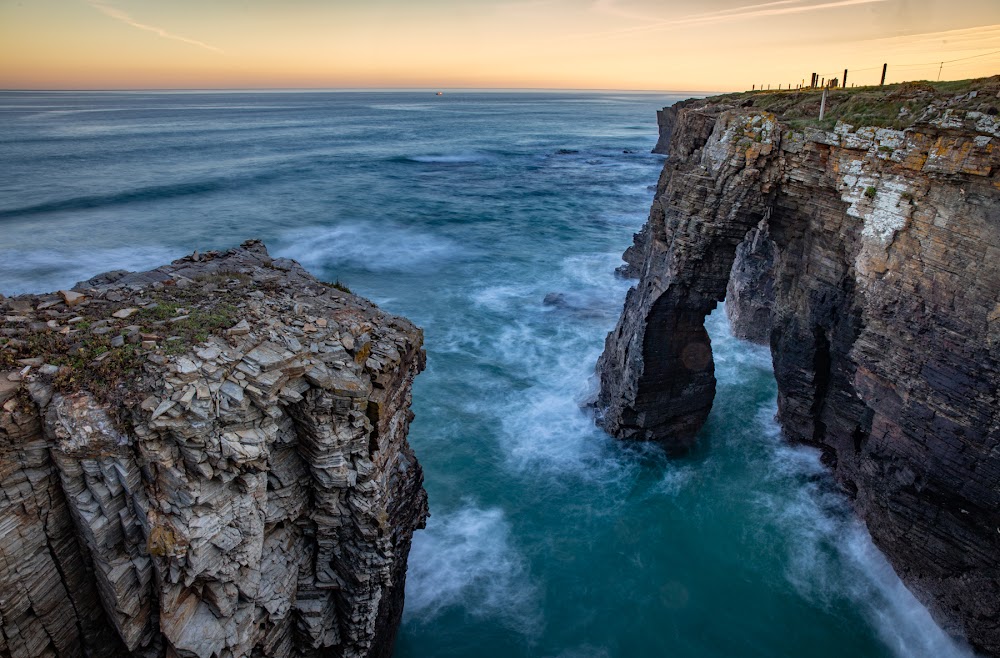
(884, 268)
(257, 497)
(750, 292)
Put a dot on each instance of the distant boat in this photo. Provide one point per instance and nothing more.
(440, 93)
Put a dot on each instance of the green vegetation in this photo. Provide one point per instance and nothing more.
(896, 106)
(108, 363)
(192, 325)
(870, 192)
(85, 361)
(337, 285)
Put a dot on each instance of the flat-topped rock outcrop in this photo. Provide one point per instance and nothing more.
(866, 250)
(205, 460)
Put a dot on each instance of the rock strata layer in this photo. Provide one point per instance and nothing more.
(869, 259)
(256, 496)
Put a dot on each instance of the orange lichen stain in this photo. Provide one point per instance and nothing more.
(363, 353)
(977, 168)
(979, 162)
(163, 542)
(915, 160)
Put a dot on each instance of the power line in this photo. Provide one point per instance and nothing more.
(949, 61)
(937, 63)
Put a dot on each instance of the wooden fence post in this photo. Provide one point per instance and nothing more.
(884, 67)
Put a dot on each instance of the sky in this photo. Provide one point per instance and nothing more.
(689, 45)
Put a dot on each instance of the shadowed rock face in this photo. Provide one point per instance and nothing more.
(657, 374)
(881, 251)
(259, 501)
(750, 293)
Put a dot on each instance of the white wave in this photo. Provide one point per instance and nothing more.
(736, 361)
(833, 558)
(466, 559)
(45, 270)
(544, 428)
(544, 425)
(675, 479)
(453, 158)
(595, 273)
(630, 220)
(505, 297)
(367, 246)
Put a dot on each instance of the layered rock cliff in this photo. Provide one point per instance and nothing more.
(208, 459)
(868, 256)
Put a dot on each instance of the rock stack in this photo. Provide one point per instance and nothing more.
(208, 459)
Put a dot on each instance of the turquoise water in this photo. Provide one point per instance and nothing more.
(463, 212)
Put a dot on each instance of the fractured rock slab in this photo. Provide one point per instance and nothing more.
(259, 500)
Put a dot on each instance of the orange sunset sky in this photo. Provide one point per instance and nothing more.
(583, 44)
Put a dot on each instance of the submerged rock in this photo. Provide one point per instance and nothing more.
(239, 486)
(881, 250)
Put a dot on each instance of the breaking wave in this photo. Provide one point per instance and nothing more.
(366, 246)
(467, 559)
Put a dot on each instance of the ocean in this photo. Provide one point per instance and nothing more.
(494, 220)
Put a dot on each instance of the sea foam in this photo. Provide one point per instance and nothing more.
(466, 559)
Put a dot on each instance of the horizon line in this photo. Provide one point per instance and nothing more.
(358, 89)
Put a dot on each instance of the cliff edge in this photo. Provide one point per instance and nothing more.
(866, 250)
(205, 460)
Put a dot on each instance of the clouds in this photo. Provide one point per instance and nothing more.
(119, 15)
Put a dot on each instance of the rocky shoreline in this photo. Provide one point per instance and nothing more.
(207, 459)
(866, 251)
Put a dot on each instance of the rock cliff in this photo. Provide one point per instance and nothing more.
(866, 250)
(205, 460)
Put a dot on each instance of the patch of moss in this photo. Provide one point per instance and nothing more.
(196, 324)
(114, 374)
(338, 285)
(8, 360)
(223, 277)
(870, 192)
(86, 362)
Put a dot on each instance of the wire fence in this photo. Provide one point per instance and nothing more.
(894, 73)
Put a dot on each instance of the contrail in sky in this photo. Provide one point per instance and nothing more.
(118, 14)
(778, 8)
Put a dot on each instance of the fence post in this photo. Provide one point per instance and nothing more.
(845, 78)
(884, 67)
(822, 105)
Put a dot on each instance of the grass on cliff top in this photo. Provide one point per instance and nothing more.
(892, 106)
(177, 318)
